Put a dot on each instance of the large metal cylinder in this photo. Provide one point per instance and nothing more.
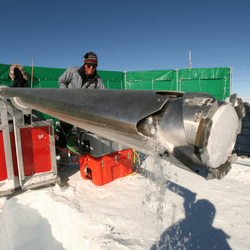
(194, 131)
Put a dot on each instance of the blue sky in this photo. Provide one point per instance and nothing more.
(130, 35)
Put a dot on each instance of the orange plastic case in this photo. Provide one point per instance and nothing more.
(104, 169)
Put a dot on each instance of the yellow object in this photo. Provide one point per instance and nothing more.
(139, 163)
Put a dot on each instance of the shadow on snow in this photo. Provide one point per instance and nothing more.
(196, 230)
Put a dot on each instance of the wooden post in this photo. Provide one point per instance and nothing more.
(32, 73)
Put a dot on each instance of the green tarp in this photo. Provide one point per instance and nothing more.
(215, 81)
(151, 80)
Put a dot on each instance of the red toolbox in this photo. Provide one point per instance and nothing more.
(104, 169)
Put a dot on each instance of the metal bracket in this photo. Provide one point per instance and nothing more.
(39, 179)
(7, 186)
(10, 117)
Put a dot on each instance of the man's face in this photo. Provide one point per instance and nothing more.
(89, 69)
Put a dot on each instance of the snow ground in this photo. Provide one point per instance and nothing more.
(162, 207)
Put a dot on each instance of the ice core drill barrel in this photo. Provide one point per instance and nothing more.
(194, 131)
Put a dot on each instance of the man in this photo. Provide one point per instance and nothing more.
(84, 77)
(19, 76)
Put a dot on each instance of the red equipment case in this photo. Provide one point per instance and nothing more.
(3, 167)
(36, 150)
(104, 169)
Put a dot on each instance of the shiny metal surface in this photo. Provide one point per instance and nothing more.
(173, 125)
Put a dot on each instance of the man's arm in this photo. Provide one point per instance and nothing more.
(100, 84)
(65, 79)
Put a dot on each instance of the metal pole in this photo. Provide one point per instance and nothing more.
(163, 123)
(125, 78)
(177, 79)
(231, 73)
(190, 62)
(32, 73)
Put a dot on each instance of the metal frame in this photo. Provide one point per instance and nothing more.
(39, 179)
(9, 115)
(7, 186)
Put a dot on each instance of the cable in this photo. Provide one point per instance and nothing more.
(139, 163)
(71, 145)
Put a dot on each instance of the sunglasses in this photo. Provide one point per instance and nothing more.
(93, 65)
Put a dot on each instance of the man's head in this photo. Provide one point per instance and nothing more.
(20, 67)
(90, 63)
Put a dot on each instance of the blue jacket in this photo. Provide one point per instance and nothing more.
(71, 79)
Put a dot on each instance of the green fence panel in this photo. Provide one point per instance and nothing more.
(4, 75)
(4, 71)
(42, 77)
(151, 80)
(214, 81)
(5, 82)
(42, 73)
(112, 79)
